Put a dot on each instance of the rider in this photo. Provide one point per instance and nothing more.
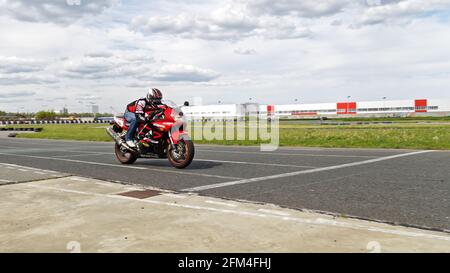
(135, 112)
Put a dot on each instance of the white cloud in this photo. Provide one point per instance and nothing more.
(400, 11)
(88, 97)
(321, 50)
(99, 55)
(13, 64)
(89, 67)
(17, 94)
(242, 51)
(185, 26)
(26, 79)
(226, 23)
(56, 11)
(104, 65)
(19, 71)
(301, 8)
(185, 73)
(133, 66)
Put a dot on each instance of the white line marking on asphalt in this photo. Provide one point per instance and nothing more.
(11, 168)
(287, 154)
(197, 159)
(293, 148)
(317, 221)
(5, 181)
(50, 150)
(10, 147)
(91, 152)
(23, 170)
(123, 166)
(276, 212)
(46, 142)
(75, 161)
(85, 154)
(221, 203)
(124, 190)
(106, 184)
(254, 163)
(77, 179)
(42, 173)
(258, 179)
(178, 196)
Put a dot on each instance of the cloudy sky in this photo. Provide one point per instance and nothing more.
(76, 53)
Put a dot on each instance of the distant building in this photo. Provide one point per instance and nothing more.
(384, 108)
(391, 108)
(211, 112)
(64, 111)
(95, 109)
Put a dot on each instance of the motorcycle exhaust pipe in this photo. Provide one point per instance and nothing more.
(118, 139)
(114, 135)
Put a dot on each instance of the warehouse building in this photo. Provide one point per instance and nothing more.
(384, 108)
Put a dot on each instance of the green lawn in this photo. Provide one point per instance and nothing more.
(397, 119)
(90, 132)
(397, 135)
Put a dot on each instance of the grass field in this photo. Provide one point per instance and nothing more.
(398, 119)
(396, 135)
(90, 132)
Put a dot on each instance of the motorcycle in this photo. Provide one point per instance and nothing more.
(161, 138)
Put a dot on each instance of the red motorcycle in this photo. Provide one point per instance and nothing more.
(161, 138)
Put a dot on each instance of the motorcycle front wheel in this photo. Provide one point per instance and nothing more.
(124, 157)
(182, 155)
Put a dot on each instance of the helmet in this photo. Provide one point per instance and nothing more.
(153, 95)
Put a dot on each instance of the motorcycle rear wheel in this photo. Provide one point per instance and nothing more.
(124, 158)
(184, 158)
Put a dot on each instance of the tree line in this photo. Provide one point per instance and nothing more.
(50, 115)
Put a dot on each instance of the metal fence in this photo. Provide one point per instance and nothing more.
(18, 122)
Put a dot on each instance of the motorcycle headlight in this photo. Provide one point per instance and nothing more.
(178, 116)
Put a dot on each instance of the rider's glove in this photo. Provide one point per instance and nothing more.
(140, 118)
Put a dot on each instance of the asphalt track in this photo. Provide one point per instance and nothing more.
(397, 186)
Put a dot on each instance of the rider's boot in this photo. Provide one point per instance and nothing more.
(131, 144)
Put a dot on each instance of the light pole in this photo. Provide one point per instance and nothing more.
(348, 103)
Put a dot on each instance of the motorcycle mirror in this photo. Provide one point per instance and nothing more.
(186, 103)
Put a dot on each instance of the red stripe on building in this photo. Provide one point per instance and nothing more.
(346, 108)
(421, 106)
(270, 110)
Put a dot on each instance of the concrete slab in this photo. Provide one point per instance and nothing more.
(88, 215)
(12, 173)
